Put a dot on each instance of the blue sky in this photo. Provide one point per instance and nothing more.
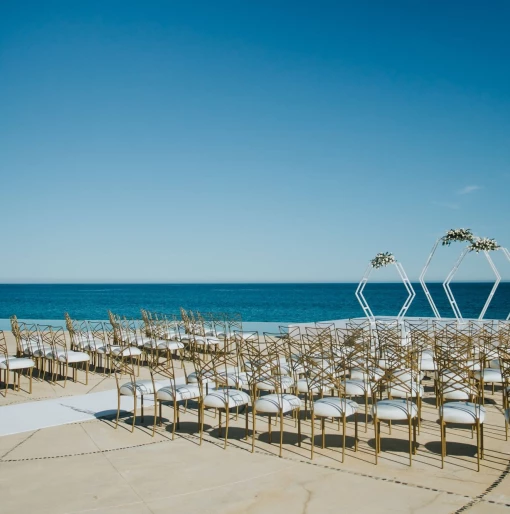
(249, 141)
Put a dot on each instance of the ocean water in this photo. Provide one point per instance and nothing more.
(283, 303)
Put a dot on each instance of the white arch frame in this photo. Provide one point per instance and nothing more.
(450, 295)
(363, 302)
(423, 283)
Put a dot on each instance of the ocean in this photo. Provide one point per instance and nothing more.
(282, 303)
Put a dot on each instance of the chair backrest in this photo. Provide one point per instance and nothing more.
(17, 334)
(454, 356)
(320, 364)
(211, 366)
(3, 347)
(30, 339)
(400, 360)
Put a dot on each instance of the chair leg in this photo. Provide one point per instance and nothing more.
(174, 424)
(202, 415)
(254, 432)
(343, 438)
(481, 441)
(281, 432)
(118, 410)
(134, 411)
(313, 433)
(355, 431)
(246, 423)
(376, 435)
(478, 445)
(30, 379)
(269, 430)
(227, 416)
(366, 411)
(415, 426)
(155, 416)
(443, 442)
(409, 422)
(299, 426)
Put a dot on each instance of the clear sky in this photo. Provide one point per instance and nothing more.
(249, 141)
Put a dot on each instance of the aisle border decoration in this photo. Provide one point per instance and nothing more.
(382, 260)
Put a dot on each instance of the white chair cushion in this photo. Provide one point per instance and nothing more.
(16, 363)
(357, 387)
(206, 341)
(182, 392)
(458, 391)
(394, 410)
(163, 344)
(268, 385)
(95, 345)
(302, 387)
(428, 365)
(132, 351)
(374, 373)
(490, 375)
(142, 387)
(192, 379)
(43, 351)
(228, 398)
(494, 363)
(273, 403)
(334, 407)
(462, 412)
(235, 379)
(72, 356)
(404, 390)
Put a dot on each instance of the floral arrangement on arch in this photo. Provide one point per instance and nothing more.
(383, 259)
(455, 235)
(483, 244)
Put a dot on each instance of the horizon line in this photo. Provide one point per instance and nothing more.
(481, 281)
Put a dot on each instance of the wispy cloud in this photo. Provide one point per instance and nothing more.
(448, 205)
(468, 189)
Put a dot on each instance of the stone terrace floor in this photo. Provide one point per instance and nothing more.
(91, 467)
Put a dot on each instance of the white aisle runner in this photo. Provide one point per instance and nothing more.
(25, 417)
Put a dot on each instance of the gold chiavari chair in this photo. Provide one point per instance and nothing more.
(485, 338)
(33, 345)
(503, 363)
(162, 369)
(60, 357)
(326, 367)
(165, 339)
(292, 345)
(267, 374)
(359, 364)
(454, 357)
(128, 385)
(99, 345)
(401, 383)
(213, 374)
(15, 364)
(79, 334)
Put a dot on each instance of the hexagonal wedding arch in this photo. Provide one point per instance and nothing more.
(477, 245)
(382, 260)
(454, 235)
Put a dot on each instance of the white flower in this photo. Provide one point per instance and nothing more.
(457, 235)
(483, 244)
(383, 259)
